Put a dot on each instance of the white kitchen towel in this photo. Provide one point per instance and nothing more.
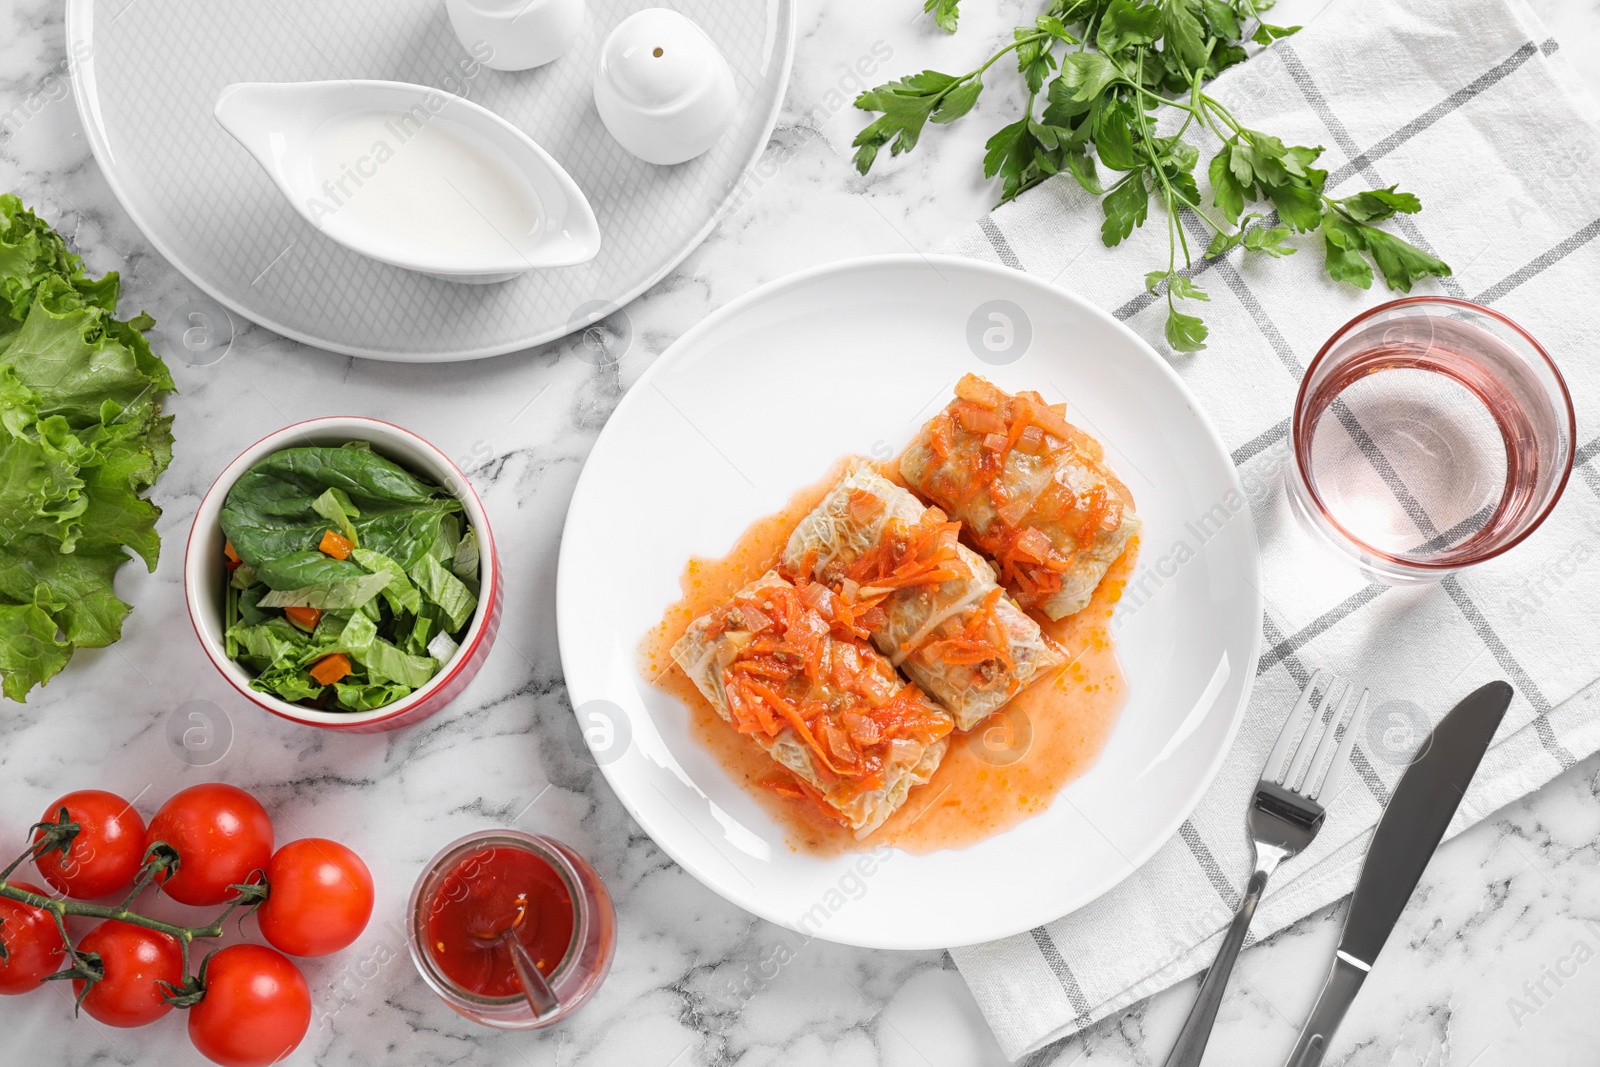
(1469, 104)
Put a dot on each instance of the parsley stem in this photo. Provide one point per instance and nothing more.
(1169, 195)
(1012, 47)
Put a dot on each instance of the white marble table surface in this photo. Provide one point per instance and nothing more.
(1511, 909)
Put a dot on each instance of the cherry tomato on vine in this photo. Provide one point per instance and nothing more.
(320, 898)
(221, 833)
(256, 1008)
(136, 960)
(106, 855)
(34, 947)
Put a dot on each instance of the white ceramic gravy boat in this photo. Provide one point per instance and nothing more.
(414, 176)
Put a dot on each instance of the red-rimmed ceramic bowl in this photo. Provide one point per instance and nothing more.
(203, 572)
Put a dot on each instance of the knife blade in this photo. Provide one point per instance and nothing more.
(1408, 832)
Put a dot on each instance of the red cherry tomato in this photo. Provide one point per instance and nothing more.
(33, 944)
(320, 898)
(106, 855)
(221, 833)
(256, 1008)
(136, 960)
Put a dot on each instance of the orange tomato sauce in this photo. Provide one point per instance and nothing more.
(1008, 768)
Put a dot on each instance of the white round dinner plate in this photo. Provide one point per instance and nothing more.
(759, 400)
(147, 75)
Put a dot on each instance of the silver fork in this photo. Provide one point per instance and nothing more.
(1283, 819)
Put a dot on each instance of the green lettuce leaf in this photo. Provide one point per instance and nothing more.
(400, 594)
(445, 590)
(82, 437)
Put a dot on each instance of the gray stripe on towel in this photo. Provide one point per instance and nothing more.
(1058, 966)
(1306, 634)
(997, 241)
(1208, 864)
(1493, 76)
(1539, 263)
(1261, 442)
(1508, 663)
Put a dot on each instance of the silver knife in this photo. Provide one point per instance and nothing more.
(1411, 827)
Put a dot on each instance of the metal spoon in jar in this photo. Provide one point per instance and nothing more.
(541, 998)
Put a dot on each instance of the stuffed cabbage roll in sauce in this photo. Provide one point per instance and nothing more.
(926, 601)
(1032, 489)
(779, 665)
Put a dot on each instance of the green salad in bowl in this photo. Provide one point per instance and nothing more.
(350, 581)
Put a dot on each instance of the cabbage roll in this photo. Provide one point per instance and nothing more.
(926, 601)
(778, 667)
(1033, 491)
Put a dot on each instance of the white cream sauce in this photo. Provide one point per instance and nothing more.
(416, 180)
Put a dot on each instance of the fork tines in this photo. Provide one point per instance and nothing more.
(1332, 722)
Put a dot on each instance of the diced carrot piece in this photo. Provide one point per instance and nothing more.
(305, 618)
(231, 552)
(330, 669)
(939, 437)
(335, 544)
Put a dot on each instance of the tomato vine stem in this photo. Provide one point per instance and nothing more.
(159, 857)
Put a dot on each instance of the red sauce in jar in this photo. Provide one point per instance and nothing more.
(483, 896)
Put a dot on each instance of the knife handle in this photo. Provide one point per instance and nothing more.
(1344, 981)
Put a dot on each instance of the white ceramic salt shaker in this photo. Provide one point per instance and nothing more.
(518, 34)
(663, 88)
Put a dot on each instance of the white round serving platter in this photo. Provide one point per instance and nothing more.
(758, 400)
(147, 74)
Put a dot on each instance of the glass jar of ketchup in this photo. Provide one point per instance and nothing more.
(496, 884)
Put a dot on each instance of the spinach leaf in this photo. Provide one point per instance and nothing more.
(270, 510)
(306, 567)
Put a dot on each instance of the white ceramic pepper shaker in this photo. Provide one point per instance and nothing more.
(663, 88)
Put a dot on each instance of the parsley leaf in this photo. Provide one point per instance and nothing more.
(1267, 33)
(1344, 243)
(1126, 206)
(1401, 263)
(1375, 205)
(944, 13)
(907, 105)
(1127, 23)
(1102, 104)
(1185, 333)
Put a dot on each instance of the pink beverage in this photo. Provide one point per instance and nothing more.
(1429, 434)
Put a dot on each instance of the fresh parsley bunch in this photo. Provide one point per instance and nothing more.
(1104, 68)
